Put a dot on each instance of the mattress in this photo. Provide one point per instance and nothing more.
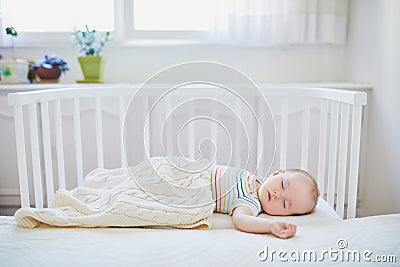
(219, 246)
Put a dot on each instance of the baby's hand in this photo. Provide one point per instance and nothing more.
(283, 230)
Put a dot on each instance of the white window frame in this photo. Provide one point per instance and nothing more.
(124, 33)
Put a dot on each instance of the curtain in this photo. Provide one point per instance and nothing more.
(280, 22)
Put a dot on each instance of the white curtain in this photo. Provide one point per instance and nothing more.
(280, 22)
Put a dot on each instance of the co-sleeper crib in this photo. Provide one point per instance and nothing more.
(62, 134)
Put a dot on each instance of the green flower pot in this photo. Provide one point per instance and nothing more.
(92, 69)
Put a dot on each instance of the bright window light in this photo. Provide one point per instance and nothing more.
(173, 14)
(57, 16)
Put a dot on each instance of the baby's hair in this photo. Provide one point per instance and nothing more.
(314, 191)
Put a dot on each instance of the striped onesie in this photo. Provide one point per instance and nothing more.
(231, 187)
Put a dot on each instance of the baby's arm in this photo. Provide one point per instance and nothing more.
(246, 222)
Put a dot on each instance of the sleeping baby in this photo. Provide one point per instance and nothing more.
(161, 192)
(241, 194)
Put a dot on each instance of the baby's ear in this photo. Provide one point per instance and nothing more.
(278, 172)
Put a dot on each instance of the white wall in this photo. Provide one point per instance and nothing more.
(137, 63)
(374, 56)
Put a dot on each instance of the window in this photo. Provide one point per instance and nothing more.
(50, 22)
(247, 23)
(173, 15)
(57, 16)
(167, 19)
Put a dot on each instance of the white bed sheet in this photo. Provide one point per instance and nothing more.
(50, 246)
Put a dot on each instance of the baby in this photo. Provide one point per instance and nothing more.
(241, 194)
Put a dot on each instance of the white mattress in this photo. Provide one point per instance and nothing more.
(45, 246)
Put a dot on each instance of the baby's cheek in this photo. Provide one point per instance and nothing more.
(274, 208)
(269, 208)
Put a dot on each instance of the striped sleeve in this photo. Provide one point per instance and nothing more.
(231, 187)
(244, 195)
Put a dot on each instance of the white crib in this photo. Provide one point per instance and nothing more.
(62, 134)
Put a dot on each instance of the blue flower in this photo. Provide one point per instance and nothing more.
(49, 62)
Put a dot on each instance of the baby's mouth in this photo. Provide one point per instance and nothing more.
(269, 196)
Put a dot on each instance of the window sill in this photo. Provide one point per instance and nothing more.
(160, 42)
(118, 44)
(14, 88)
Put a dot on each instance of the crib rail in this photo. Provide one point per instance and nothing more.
(328, 132)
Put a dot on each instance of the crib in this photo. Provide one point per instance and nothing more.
(62, 134)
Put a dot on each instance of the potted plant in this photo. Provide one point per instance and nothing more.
(13, 70)
(91, 45)
(50, 68)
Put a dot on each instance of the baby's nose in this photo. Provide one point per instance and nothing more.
(277, 194)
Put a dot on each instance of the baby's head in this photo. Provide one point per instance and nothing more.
(288, 192)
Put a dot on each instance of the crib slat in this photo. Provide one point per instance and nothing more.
(354, 161)
(37, 176)
(260, 142)
(168, 127)
(284, 133)
(21, 156)
(122, 129)
(214, 128)
(146, 132)
(59, 144)
(191, 133)
(78, 142)
(237, 147)
(333, 138)
(305, 136)
(48, 165)
(99, 133)
(344, 137)
(322, 147)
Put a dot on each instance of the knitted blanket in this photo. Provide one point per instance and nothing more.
(155, 192)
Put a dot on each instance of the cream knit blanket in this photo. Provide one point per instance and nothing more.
(162, 194)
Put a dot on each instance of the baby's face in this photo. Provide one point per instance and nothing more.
(286, 193)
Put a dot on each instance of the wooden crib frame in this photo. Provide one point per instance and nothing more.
(338, 159)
